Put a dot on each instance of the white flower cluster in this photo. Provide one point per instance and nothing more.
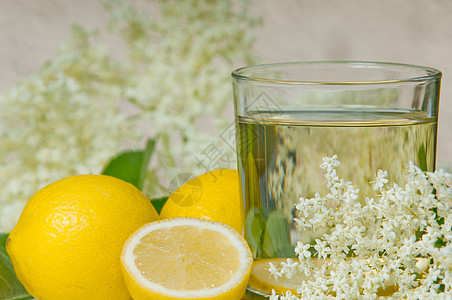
(394, 246)
(68, 118)
(180, 79)
(61, 121)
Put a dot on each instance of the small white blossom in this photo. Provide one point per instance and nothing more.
(322, 249)
(303, 249)
(274, 270)
(274, 296)
(289, 268)
(381, 180)
(329, 163)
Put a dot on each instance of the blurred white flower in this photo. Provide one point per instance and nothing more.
(381, 180)
(60, 121)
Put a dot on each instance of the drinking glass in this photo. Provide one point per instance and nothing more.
(289, 115)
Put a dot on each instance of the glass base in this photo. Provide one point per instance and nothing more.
(252, 294)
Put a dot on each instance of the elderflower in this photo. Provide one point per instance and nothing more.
(303, 250)
(396, 245)
(180, 67)
(61, 121)
(381, 180)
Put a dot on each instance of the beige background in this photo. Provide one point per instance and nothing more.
(406, 31)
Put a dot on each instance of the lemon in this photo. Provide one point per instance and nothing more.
(186, 258)
(68, 240)
(214, 196)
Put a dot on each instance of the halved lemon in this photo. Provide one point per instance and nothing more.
(186, 258)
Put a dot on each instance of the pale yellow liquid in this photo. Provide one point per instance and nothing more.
(279, 155)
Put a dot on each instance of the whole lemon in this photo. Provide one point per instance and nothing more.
(214, 196)
(68, 240)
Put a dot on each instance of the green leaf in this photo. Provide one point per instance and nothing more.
(422, 157)
(276, 241)
(158, 203)
(254, 230)
(252, 193)
(3, 238)
(10, 286)
(131, 166)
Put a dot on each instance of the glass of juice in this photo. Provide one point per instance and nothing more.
(289, 115)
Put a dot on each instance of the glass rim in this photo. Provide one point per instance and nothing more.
(431, 74)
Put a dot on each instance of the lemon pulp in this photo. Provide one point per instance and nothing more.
(181, 265)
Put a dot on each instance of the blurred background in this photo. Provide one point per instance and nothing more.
(411, 31)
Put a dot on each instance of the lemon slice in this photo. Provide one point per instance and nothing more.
(186, 258)
(262, 281)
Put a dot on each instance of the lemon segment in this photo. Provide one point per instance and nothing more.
(186, 258)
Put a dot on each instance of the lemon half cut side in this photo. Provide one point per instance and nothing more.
(186, 258)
